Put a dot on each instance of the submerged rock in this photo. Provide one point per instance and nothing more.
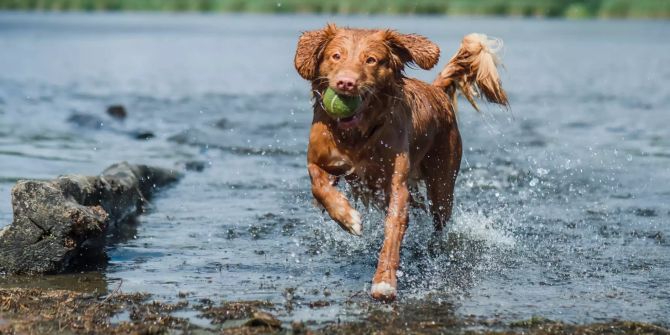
(222, 123)
(62, 225)
(193, 165)
(114, 123)
(84, 120)
(142, 134)
(117, 111)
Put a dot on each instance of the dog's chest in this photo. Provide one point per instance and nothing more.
(337, 162)
(358, 166)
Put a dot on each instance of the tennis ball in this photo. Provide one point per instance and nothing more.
(340, 106)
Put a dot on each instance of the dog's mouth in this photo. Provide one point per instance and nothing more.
(354, 120)
(350, 122)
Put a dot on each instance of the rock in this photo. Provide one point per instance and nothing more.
(117, 111)
(197, 166)
(143, 135)
(62, 225)
(246, 312)
(263, 319)
(298, 327)
(222, 124)
(190, 136)
(319, 304)
(86, 121)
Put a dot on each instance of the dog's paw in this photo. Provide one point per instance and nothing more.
(350, 220)
(356, 226)
(383, 291)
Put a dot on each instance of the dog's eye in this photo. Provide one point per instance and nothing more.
(371, 60)
(336, 56)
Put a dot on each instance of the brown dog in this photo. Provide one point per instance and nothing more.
(404, 131)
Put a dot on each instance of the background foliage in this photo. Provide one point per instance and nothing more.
(536, 8)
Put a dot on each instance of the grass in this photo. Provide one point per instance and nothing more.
(658, 9)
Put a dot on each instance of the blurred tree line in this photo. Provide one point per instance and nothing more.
(536, 8)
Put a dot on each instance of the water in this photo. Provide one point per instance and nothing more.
(562, 205)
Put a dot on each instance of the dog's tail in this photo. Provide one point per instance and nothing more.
(473, 71)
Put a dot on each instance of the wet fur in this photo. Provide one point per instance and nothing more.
(407, 131)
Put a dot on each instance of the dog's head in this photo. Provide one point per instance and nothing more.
(360, 61)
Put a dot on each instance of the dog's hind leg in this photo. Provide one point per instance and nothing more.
(440, 167)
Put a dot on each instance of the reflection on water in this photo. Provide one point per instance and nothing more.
(561, 206)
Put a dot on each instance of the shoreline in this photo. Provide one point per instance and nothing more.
(65, 311)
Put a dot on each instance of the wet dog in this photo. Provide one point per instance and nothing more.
(404, 132)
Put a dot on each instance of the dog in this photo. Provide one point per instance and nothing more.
(404, 132)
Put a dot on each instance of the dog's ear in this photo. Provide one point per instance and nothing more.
(310, 49)
(412, 48)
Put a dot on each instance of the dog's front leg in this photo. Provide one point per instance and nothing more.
(335, 203)
(384, 283)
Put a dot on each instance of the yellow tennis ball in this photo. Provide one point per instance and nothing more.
(340, 106)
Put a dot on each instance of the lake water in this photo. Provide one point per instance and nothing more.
(562, 205)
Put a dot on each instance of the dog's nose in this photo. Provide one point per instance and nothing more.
(346, 84)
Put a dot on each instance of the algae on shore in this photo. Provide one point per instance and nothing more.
(40, 311)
